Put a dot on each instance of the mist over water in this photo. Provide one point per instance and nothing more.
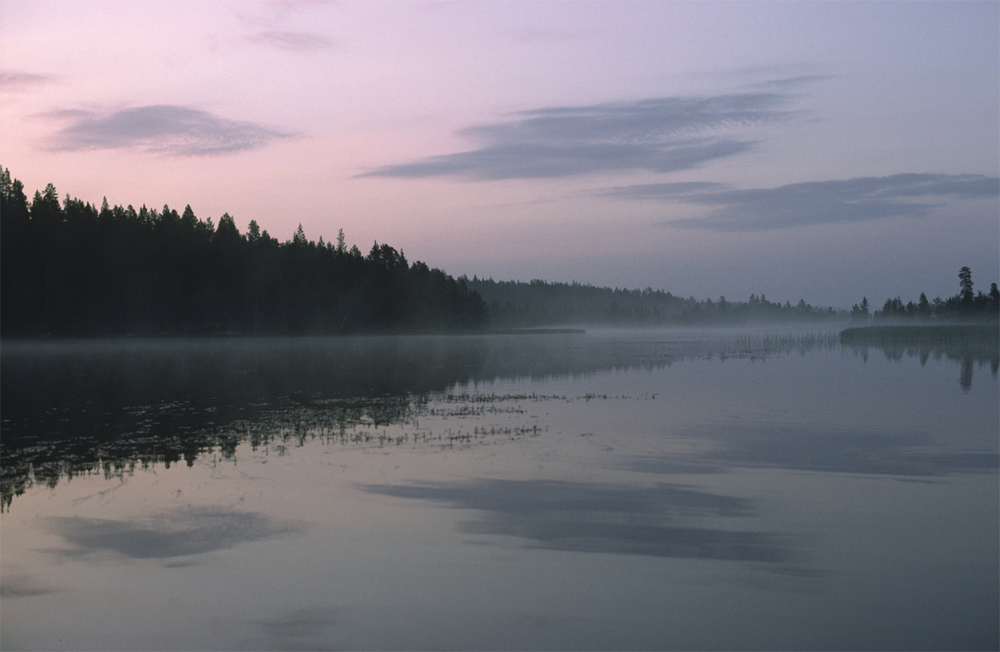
(630, 489)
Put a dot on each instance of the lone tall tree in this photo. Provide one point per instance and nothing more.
(965, 279)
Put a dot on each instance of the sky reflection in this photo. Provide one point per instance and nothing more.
(802, 448)
(177, 533)
(23, 586)
(802, 499)
(586, 517)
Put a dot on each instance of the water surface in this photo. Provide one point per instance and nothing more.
(613, 490)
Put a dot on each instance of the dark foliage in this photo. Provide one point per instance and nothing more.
(515, 304)
(964, 306)
(72, 270)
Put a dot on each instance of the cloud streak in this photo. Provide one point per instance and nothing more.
(791, 82)
(656, 135)
(292, 41)
(813, 203)
(19, 81)
(165, 129)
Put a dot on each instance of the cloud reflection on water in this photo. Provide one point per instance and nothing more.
(22, 586)
(299, 629)
(801, 448)
(177, 533)
(661, 521)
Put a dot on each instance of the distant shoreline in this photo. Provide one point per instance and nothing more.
(535, 331)
(239, 335)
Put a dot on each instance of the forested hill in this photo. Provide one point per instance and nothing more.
(70, 269)
(539, 303)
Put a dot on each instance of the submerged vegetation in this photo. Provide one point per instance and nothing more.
(371, 422)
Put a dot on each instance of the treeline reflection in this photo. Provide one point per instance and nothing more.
(72, 408)
(969, 346)
(78, 407)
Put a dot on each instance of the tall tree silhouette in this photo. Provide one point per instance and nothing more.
(77, 270)
(965, 280)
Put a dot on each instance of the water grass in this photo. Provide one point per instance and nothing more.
(764, 343)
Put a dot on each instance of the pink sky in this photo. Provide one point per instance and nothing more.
(814, 150)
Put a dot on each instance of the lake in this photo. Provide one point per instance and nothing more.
(671, 489)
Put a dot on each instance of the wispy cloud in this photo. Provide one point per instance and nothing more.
(791, 82)
(661, 191)
(527, 36)
(818, 202)
(657, 135)
(19, 81)
(167, 129)
(293, 41)
(286, 7)
(285, 25)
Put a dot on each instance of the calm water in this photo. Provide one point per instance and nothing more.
(615, 490)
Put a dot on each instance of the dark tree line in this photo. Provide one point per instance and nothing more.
(515, 304)
(71, 269)
(967, 305)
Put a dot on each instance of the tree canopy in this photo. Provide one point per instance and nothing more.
(71, 269)
(541, 303)
(964, 306)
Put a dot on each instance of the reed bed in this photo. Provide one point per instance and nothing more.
(761, 344)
